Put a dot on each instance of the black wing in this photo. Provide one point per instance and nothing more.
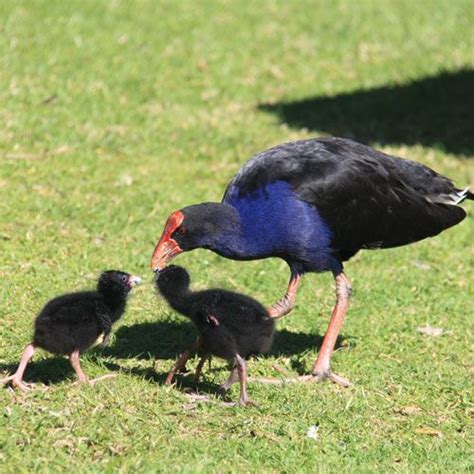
(369, 199)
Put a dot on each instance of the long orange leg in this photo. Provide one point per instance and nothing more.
(285, 305)
(17, 378)
(321, 368)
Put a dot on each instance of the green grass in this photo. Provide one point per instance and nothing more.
(116, 113)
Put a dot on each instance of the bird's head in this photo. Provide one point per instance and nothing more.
(172, 279)
(206, 225)
(115, 281)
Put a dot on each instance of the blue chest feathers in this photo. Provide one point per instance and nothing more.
(274, 222)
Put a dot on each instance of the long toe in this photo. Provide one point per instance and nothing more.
(103, 377)
(270, 380)
(7, 379)
(247, 402)
(327, 375)
(343, 382)
(20, 385)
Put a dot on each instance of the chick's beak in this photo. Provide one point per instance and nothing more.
(134, 281)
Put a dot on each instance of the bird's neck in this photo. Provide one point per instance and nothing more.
(116, 303)
(178, 298)
(226, 238)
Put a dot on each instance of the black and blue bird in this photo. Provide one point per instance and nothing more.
(315, 203)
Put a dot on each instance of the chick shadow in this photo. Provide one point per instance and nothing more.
(157, 340)
(50, 371)
(166, 340)
(436, 111)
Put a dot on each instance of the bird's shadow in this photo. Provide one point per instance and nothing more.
(436, 111)
(167, 339)
(50, 371)
(160, 340)
(157, 340)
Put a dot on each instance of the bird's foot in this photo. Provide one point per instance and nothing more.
(326, 375)
(17, 383)
(23, 386)
(7, 379)
(222, 392)
(246, 402)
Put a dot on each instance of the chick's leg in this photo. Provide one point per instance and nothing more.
(233, 377)
(74, 359)
(17, 378)
(181, 362)
(199, 367)
(244, 399)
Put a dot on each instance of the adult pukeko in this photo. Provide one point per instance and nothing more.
(315, 204)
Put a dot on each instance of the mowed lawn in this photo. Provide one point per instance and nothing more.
(113, 114)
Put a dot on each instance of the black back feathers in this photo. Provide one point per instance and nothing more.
(369, 199)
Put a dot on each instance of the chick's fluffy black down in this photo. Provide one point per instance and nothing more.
(75, 321)
(229, 323)
(69, 322)
(244, 326)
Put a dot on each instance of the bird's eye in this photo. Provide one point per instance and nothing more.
(181, 230)
(124, 278)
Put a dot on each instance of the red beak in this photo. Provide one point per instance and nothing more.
(167, 247)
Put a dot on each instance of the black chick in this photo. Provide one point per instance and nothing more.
(70, 324)
(231, 325)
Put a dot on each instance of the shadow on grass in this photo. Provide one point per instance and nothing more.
(286, 343)
(436, 111)
(157, 340)
(167, 339)
(160, 340)
(47, 371)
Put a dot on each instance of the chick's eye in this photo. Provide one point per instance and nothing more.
(124, 278)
